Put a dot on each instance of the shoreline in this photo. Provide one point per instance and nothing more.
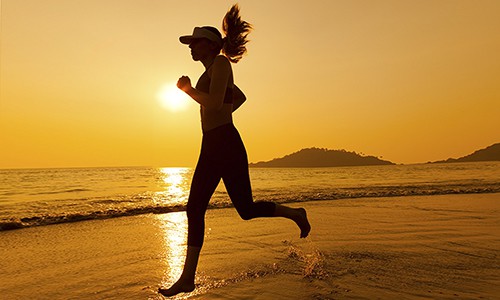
(48, 220)
(411, 247)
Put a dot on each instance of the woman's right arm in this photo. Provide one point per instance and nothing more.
(214, 99)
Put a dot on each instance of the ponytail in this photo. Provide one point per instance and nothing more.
(236, 31)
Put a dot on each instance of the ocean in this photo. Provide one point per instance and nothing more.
(427, 231)
(40, 197)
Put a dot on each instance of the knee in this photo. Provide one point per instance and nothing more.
(194, 215)
(195, 222)
(190, 213)
(257, 210)
(246, 214)
(246, 217)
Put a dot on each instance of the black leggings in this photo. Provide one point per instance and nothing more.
(223, 155)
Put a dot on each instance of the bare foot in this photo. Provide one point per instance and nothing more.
(176, 288)
(303, 223)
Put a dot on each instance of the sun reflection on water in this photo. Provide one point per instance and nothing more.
(174, 231)
(175, 184)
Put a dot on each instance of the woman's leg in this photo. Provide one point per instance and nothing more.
(205, 181)
(298, 215)
(185, 284)
(237, 182)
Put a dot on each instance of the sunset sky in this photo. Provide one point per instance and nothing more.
(82, 81)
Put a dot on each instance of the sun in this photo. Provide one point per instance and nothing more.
(172, 98)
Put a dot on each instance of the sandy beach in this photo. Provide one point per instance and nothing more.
(422, 247)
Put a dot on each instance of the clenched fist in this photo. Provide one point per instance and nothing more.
(184, 83)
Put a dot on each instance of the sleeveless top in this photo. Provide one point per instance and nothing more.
(211, 119)
(203, 85)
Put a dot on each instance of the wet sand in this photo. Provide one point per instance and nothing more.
(441, 247)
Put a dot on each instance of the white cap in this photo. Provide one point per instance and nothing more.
(201, 33)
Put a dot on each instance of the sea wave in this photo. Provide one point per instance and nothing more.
(75, 190)
(83, 216)
(396, 191)
(311, 195)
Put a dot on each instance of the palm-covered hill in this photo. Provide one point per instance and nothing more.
(491, 153)
(318, 157)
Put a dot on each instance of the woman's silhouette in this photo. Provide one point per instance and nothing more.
(223, 154)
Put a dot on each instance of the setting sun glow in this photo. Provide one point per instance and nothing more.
(93, 83)
(172, 98)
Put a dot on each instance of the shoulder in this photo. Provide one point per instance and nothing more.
(221, 65)
(222, 62)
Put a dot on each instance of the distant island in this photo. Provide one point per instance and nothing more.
(491, 153)
(319, 157)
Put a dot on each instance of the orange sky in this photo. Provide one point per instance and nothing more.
(412, 81)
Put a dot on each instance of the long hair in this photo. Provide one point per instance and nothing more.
(236, 31)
